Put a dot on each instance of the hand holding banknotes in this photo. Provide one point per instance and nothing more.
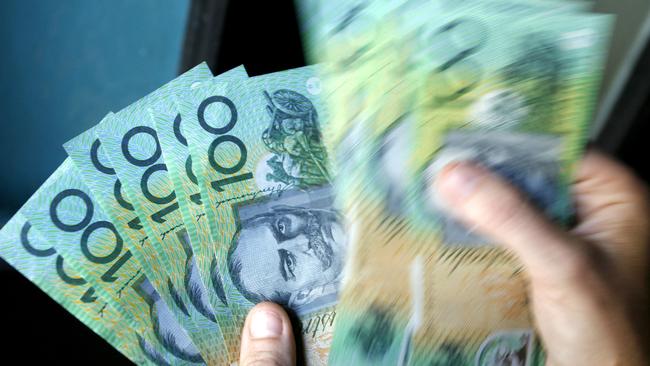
(587, 284)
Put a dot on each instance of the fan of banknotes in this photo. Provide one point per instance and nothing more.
(309, 187)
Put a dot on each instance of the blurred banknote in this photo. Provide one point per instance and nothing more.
(509, 85)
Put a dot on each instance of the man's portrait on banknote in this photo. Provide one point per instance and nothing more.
(531, 162)
(289, 249)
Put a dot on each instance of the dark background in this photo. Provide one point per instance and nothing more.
(66, 64)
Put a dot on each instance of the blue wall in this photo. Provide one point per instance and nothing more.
(64, 65)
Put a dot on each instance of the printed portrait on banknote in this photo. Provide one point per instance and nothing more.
(289, 249)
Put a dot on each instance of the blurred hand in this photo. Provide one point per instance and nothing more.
(587, 285)
(267, 338)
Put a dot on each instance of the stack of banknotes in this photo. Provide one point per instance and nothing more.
(415, 85)
(309, 187)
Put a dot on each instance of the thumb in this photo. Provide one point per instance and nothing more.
(486, 202)
(267, 338)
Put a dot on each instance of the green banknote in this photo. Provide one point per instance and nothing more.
(362, 62)
(528, 85)
(263, 176)
(28, 252)
(130, 144)
(195, 230)
(519, 103)
(372, 52)
(366, 46)
(87, 152)
(350, 46)
(64, 211)
(97, 174)
(422, 289)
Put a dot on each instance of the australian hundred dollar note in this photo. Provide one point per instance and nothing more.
(465, 302)
(34, 257)
(346, 39)
(107, 167)
(65, 211)
(519, 103)
(264, 180)
(131, 144)
(168, 121)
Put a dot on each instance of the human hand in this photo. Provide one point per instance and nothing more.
(587, 285)
(267, 337)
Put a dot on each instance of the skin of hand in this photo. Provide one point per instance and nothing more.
(588, 285)
(267, 337)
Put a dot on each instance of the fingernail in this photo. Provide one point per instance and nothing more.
(458, 180)
(265, 324)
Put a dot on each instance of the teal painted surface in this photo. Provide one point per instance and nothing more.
(64, 65)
